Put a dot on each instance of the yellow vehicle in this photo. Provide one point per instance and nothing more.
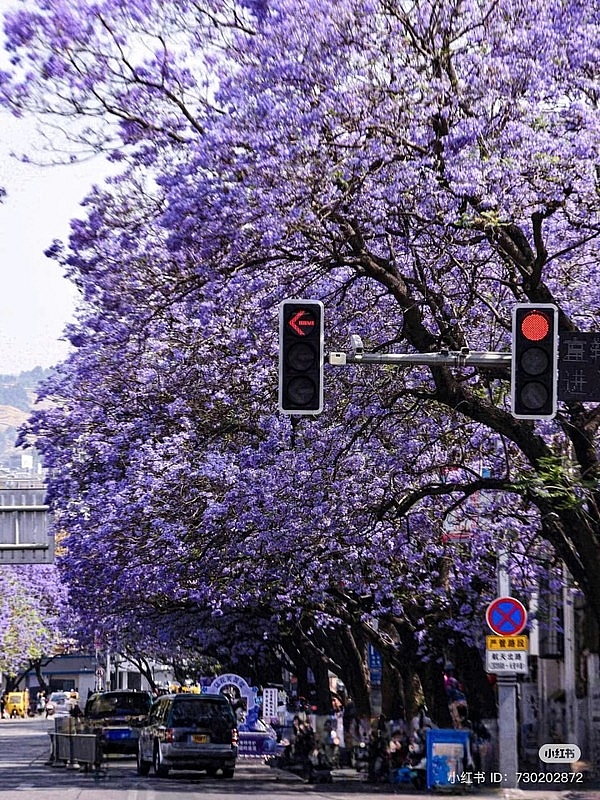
(17, 704)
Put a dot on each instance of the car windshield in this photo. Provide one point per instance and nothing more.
(114, 705)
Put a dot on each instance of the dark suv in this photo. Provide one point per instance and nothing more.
(118, 716)
(189, 731)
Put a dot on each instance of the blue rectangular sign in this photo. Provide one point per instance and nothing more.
(579, 367)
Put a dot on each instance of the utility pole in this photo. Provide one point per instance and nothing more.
(571, 707)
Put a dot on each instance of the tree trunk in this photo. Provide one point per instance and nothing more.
(432, 680)
(393, 698)
(38, 672)
(478, 690)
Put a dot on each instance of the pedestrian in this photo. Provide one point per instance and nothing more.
(337, 729)
(480, 743)
(417, 747)
(378, 753)
(330, 743)
(457, 701)
(398, 749)
(351, 728)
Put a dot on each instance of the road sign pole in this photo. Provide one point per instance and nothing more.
(508, 760)
(502, 573)
(508, 755)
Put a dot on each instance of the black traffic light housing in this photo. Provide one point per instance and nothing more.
(301, 357)
(534, 372)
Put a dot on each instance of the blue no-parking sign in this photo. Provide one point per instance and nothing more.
(506, 616)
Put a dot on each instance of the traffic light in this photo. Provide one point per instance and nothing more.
(301, 357)
(534, 373)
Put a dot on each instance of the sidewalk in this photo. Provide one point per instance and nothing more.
(349, 781)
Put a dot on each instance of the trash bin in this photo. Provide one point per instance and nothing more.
(447, 757)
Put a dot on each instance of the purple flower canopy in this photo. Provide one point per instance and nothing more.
(420, 171)
(34, 617)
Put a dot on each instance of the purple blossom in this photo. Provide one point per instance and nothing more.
(421, 173)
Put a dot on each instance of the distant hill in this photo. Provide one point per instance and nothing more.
(17, 398)
(18, 391)
(11, 417)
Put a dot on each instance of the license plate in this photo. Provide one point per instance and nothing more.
(200, 738)
(124, 734)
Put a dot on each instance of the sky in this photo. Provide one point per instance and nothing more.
(36, 300)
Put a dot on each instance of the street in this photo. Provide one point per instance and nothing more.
(24, 751)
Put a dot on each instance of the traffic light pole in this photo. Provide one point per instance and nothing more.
(507, 685)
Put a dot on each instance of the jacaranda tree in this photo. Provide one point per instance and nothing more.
(34, 619)
(420, 167)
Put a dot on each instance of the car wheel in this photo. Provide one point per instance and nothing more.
(143, 767)
(159, 768)
(228, 772)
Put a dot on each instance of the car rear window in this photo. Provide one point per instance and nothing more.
(115, 705)
(200, 712)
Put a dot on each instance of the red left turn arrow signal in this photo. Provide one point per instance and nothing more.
(302, 322)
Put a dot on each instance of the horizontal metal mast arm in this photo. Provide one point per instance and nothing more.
(459, 358)
(24, 546)
(24, 508)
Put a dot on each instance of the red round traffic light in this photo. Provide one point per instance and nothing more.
(535, 326)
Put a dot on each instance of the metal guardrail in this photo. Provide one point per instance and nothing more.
(73, 749)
